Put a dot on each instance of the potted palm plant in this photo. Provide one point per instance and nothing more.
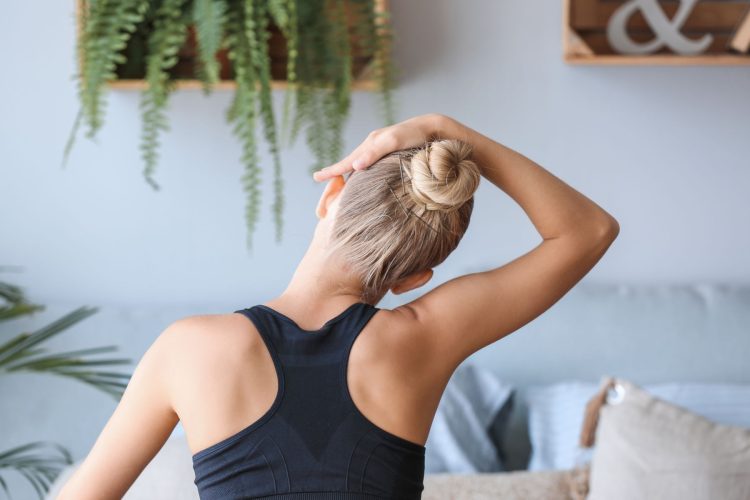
(318, 50)
(40, 462)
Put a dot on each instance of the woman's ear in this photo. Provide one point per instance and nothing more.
(411, 282)
(332, 190)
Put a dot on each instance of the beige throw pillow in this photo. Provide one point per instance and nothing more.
(647, 448)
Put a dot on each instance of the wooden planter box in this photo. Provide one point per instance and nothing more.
(131, 78)
(585, 40)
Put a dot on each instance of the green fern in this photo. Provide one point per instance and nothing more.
(308, 43)
(316, 129)
(108, 27)
(385, 71)
(209, 18)
(303, 97)
(338, 102)
(279, 13)
(242, 111)
(262, 62)
(287, 22)
(375, 40)
(166, 39)
(325, 68)
(319, 72)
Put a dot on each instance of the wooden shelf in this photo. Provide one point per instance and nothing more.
(363, 84)
(363, 68)
(659, 60)
(584, 42)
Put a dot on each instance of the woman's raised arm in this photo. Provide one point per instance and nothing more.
(469, 312)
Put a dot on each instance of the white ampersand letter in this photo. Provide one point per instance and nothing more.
(666, 32)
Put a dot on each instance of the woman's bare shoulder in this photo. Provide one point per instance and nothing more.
(200, 336)
(201, 345)
(206, 350)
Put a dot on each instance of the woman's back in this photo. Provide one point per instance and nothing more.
(351, 414)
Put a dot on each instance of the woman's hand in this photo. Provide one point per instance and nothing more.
(406, 134)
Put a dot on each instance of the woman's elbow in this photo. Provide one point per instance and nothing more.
(608, 228)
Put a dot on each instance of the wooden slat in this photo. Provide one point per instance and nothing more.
(599, 44)
(366, 85)
(660, 60)
(705, 17)
(583, 13)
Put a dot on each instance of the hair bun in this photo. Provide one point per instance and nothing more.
(443, 176)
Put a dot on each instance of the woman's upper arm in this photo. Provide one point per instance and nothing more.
(135, 432)
(469, 312)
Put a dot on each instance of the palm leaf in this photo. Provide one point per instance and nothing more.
(26, 351)
(39, 470)
(16, 304)
(32, 339)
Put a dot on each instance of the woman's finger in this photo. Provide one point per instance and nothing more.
(365, 159)
(340, 167)
(378, 143)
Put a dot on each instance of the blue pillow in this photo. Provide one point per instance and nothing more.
(556, 414)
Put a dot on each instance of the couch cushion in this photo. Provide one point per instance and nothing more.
(516, 485)
(648, 448)
(555, 414)
(459, 440)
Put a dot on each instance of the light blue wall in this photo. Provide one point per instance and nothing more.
(664, 149)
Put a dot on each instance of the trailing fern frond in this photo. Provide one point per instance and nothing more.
(326, 69)
(375, 40)
(385, 72)
(106, 30)
(242, 112)
(209, 18)
(262, 62)
(339, 100)
(278, 11)
(308, 43)
(290, 31)
(168, 35)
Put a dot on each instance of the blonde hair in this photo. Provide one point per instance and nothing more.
(405, 213)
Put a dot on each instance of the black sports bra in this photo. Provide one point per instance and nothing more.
(312, 443)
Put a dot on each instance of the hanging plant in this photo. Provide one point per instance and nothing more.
(318, 49)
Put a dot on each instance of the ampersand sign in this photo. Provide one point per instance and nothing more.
(666, 31)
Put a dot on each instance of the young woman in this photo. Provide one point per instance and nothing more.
(318, 393)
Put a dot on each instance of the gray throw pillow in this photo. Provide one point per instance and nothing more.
(459, 439)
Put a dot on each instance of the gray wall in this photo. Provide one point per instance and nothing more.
(664, 149)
